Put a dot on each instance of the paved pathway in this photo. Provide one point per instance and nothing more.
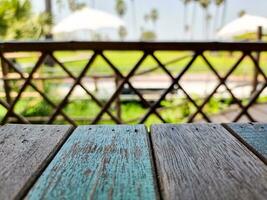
(258, 112)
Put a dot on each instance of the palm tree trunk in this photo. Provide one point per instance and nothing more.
(93, 3)
(134, 16)
(48, 6)
(48, 10)
(185, 19)
(216, 18)
(207, 23)
(204, 23)
(193, 19)
(224, 13)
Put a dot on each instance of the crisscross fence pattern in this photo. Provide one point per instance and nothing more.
(198, 50)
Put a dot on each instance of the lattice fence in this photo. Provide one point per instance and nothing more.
(46, 51)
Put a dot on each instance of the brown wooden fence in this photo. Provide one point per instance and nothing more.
(197, 50)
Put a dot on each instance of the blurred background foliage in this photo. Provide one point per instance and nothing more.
(17, 21)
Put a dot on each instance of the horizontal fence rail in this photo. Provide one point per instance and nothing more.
(16, 81)
(145, 46)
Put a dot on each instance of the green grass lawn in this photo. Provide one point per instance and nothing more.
(125, 60)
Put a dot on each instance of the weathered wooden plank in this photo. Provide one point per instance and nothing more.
(100, 162)
(253, 135)
(25, 151)
(204, 161)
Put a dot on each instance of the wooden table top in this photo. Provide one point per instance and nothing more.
(186, 161)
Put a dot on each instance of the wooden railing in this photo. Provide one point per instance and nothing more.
(196, 50)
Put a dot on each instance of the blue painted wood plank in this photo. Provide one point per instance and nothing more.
(253, 135)
(100, 162)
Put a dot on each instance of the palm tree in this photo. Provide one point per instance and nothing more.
(148, 35)
(49, 13)
(146, 18)
(224, 12)
(186, 26)
(154, 16)
(25, 25)
(75, 5)
(3, 19)
(134, 15)
(121, 10)
(48, 7)
(207, 17)
(194, 11)
(122, 33)
(241, 13)
(22, 9)
(120, 7)
(218, 4)
(93, 3)
(17, 13)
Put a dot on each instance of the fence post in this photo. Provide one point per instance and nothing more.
(7, 88)
(256, 71)
(118, 102)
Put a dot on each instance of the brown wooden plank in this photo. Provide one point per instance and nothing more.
(252, 135)
(25, 151)
(204, 161)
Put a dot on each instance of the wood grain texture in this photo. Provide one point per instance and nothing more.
(25, 150)
(204, 161)
(253, 135)
(100, 162)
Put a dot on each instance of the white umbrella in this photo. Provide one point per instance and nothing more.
(87, 19)
(244, 24)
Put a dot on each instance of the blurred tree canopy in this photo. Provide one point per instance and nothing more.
(121, 7)
(148, 36)
(17, 21)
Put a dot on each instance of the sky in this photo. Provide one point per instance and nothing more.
(170, 24)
